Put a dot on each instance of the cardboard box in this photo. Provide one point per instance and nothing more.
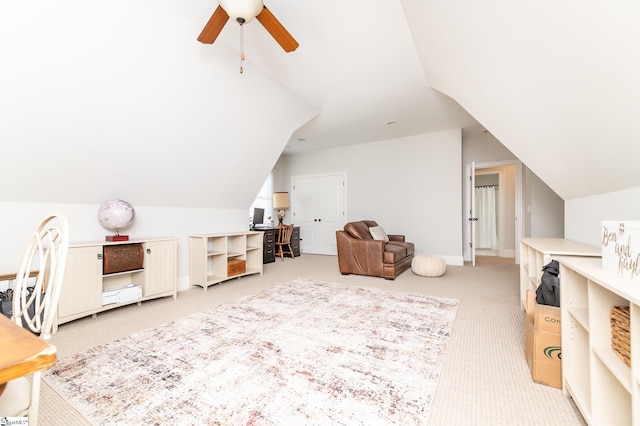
(542, 348)
(236, 267)
(621, 249)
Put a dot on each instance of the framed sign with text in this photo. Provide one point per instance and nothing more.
(621, 249)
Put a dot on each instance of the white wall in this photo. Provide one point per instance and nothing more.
(20, 219)
(482, 147)
(118, 99)
(545, 209)
(410, 186)
(556, 82)
(584, 216)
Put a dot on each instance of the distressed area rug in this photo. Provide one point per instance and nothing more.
(304, 352)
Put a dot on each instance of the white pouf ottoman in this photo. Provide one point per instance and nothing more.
(428, 266)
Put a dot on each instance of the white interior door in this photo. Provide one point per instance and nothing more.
(472, 218)
(512, 216)
(319, 210)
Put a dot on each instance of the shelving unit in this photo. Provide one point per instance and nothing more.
(604, 388)
(84, 281)
(537, 252)
(210, 255)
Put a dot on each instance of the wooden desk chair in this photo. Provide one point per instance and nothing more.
(34, 305)
(284, 239)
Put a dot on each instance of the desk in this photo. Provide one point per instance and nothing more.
(22, 353)
(269, 243)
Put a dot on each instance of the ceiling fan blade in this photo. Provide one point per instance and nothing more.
(211, 31)
(277, 30)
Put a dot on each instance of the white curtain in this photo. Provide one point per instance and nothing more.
(486, 227)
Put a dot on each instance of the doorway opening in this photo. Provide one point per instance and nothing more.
(508, 209)
(488, 211)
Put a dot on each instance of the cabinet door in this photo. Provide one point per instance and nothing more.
(82, 285)
(160, 268)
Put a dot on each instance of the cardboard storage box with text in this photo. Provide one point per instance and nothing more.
(542, 342)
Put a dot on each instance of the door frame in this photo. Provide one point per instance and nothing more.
(295, 206)
(519, 207)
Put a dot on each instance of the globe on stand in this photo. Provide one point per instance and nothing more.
(116, 215)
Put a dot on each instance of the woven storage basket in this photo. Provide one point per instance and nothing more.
(620, 333)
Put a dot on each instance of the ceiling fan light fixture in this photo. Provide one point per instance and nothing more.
(242, 11)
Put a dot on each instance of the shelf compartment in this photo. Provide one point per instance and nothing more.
(122, 279)
(237, 244)
(616, 407)
(614, 364)
(582, 400)
(580, 316)
(577, 373)
(236, 267)
(216, 245)
(214, 279)
(621, 333)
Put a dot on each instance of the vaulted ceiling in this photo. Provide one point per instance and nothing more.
(111, 98)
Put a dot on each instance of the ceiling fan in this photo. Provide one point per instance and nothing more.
(243, 11)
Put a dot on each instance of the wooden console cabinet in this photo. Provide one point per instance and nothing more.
(605, 389)
(212, 254)
(84, 280)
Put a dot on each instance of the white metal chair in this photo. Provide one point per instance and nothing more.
(34, 305)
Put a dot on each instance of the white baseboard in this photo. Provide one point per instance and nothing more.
(510, 253)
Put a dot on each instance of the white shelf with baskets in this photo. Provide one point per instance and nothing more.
(604, 386)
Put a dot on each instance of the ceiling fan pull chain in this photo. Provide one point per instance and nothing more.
(241, 47)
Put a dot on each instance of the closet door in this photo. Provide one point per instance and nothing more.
(319, 210)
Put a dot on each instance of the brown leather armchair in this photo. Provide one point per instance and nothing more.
(359, 253)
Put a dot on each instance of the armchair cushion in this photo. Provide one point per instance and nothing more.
(377, 233)
(358, 230)
(394, 253)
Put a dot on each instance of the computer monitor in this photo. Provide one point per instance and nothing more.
(258, 217)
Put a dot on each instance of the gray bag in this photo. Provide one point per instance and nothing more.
(548, 292)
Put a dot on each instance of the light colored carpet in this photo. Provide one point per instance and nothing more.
(304, 351)
(484, 378)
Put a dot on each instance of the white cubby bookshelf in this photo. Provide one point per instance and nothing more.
(210, 255)
(604, 388)
(535, 253)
